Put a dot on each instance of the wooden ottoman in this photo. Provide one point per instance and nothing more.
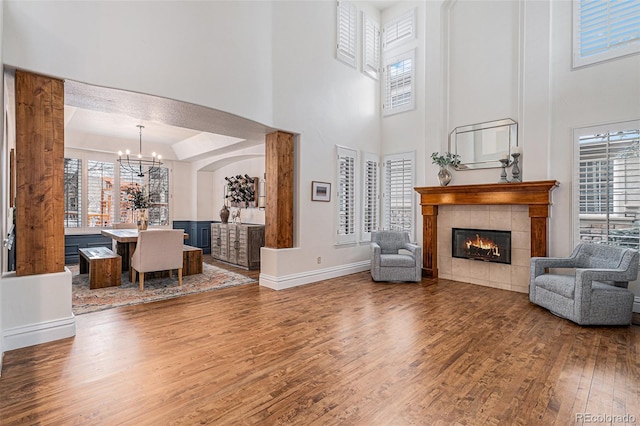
(191, 260)
(103, 265)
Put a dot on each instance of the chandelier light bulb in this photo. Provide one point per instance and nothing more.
(119, 153)
(153, 154)
(128, 152)
(159, 157)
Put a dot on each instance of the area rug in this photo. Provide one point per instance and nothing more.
(86, 300)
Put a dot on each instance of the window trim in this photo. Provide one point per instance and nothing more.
(411, 104)
(577, 134)
(406, 156)
(85, 156)
(610, 53)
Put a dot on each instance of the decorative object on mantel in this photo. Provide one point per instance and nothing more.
(515, 171)
(504, 161)
(139, 164)
(140, 201)
(444, 161)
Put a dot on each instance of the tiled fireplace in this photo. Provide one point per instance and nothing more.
(519, 208)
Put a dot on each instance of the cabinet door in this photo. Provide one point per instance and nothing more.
(233, 244)
(224, 242)
(216, 241)
(242, 246)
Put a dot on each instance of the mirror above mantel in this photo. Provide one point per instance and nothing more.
(482, 145)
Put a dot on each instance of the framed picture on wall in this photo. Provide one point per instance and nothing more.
(320, 191)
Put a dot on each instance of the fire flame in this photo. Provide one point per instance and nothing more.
(485, 245)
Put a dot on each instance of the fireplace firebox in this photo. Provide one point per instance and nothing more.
(481, 244)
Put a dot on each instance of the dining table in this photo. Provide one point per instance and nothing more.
(126, 240)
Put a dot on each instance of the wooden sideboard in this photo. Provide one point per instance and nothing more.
(237, 244)
(537, 195)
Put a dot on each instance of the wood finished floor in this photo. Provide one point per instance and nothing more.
(343, 351)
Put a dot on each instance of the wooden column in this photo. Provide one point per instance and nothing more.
(279, 183)
(430, 241)
(539, 215)
(40, 174)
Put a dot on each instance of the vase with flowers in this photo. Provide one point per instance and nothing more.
(444, 161)
(140, 201)
(240, 191)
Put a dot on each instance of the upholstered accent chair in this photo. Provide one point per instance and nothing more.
(595, 293)
(394, 258)
(158, 250)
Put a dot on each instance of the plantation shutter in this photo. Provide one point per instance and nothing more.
(72, 193)
(100, 201)
(398, 192)
(399, 30)
(346, 195)
(346, 32)
(605, 30)
(370, 47)
(371, 195)
(398, 84)
(609, 188)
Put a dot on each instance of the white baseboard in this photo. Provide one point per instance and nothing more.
(294, 280)
(34, 334)
(636, 304)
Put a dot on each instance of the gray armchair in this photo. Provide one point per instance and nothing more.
(596, 294)
(389, 263)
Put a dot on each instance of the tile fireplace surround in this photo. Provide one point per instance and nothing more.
(522, 208)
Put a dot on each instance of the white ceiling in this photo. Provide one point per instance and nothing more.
(193, 132)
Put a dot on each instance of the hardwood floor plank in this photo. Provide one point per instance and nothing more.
(342, 351)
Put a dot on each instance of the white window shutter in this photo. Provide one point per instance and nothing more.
(370, 47)
(399, 84)
(605, 29)
(399, 30)
(398, 194)
(371, 195)
(346, 195)
(346, 32)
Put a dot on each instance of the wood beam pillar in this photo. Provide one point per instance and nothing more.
(40, 174)
(279, 189)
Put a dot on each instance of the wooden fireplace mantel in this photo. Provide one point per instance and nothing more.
(537, 195)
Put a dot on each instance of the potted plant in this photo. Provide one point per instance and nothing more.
(140, 200)
(444, 161)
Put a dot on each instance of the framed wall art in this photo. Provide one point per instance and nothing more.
(320, 191)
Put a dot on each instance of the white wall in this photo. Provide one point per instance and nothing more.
(253, 167)
(211, 53)
(3, 188)
(328, 103)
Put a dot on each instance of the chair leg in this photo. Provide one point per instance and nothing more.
(180, 276)
(134, 276)
(170, 274)
(141, 281)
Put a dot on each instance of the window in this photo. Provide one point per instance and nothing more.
(72, 192)
(604, 30)
(100, 200)
(399, 77)
(399, 30)
(346, 198)
(370, 47)
(371, 195)
(608, 184)
(95, 193)
(346, 33)
(398, 193)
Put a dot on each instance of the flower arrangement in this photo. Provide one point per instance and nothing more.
(138, 197)
(240, 190)
(447, 159)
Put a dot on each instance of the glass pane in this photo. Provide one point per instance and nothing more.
(100, 201)
(159, 191)
(72, 192)
(128, 179)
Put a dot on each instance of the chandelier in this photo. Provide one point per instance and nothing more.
(138, 164)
